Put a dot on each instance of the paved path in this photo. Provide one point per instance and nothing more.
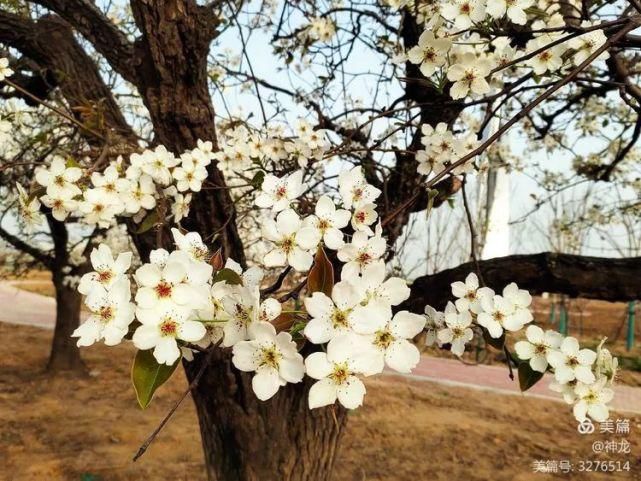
(496, 379)
(27, 308)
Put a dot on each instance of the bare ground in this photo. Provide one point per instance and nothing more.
(67, 429)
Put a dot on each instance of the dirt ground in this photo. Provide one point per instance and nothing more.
(88, 429)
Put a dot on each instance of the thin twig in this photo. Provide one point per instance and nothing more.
(632, 24)
(53, 109)
(470, 223)
(192, 385)
(276, 285)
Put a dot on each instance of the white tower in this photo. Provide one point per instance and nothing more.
(497, 207)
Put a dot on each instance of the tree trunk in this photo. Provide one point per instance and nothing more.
(245, 439)
(65, 355)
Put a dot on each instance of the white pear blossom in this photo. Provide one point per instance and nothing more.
(430, 52)
(457, 331)
(469, 77)
(106, 270)
(548, 60)
(464, 12)
(363, 217)
(244, 309)
(321, 29)
(278, 193)
(537, 347)
(29, 208)
(99, 208)
(61, 204)
(139, 195)
(192, 244)
(111, 314)
(273, 357)
(59, 179)
(392, 344)
(107, 184)
(162, 328)
(292, 241)
(606, 365)
(5, 71)
(571, 362)
(521, 300)
(592, 400)
(167, 284)
(328, 220)
(180, 205)
(354, 189)
(499, 314)
(378, 292)
(340, 314)
(360, 252)
(586, 44)
(189, 175)
(434, 322)
(469, 294)
(337, 369)
(157, 164)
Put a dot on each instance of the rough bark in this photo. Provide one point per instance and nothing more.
(94, 25)
(576, 276)
(171, 61)
(245, 439)
(65, 355)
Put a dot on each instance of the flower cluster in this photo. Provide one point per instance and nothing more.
(448, 51)
(183, 304)
(98, 198)
(320, 29)
(441, 147)
(5, 70)
(294, 239)
(108, 297)
(582, 375)
(241, 149)
(457, 55)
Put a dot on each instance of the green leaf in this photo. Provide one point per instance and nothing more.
(229, 276)
(147, 376)
(431, 195)
(321, 275)
(495, 342)
(257, 180)
(528, 377)
(71, 162)
(148, 222)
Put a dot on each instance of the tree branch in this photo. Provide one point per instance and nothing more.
(22, 246)
(602, 278)
(88, 20)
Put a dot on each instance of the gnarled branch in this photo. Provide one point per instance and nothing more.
(88, 20)
(602, 278)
